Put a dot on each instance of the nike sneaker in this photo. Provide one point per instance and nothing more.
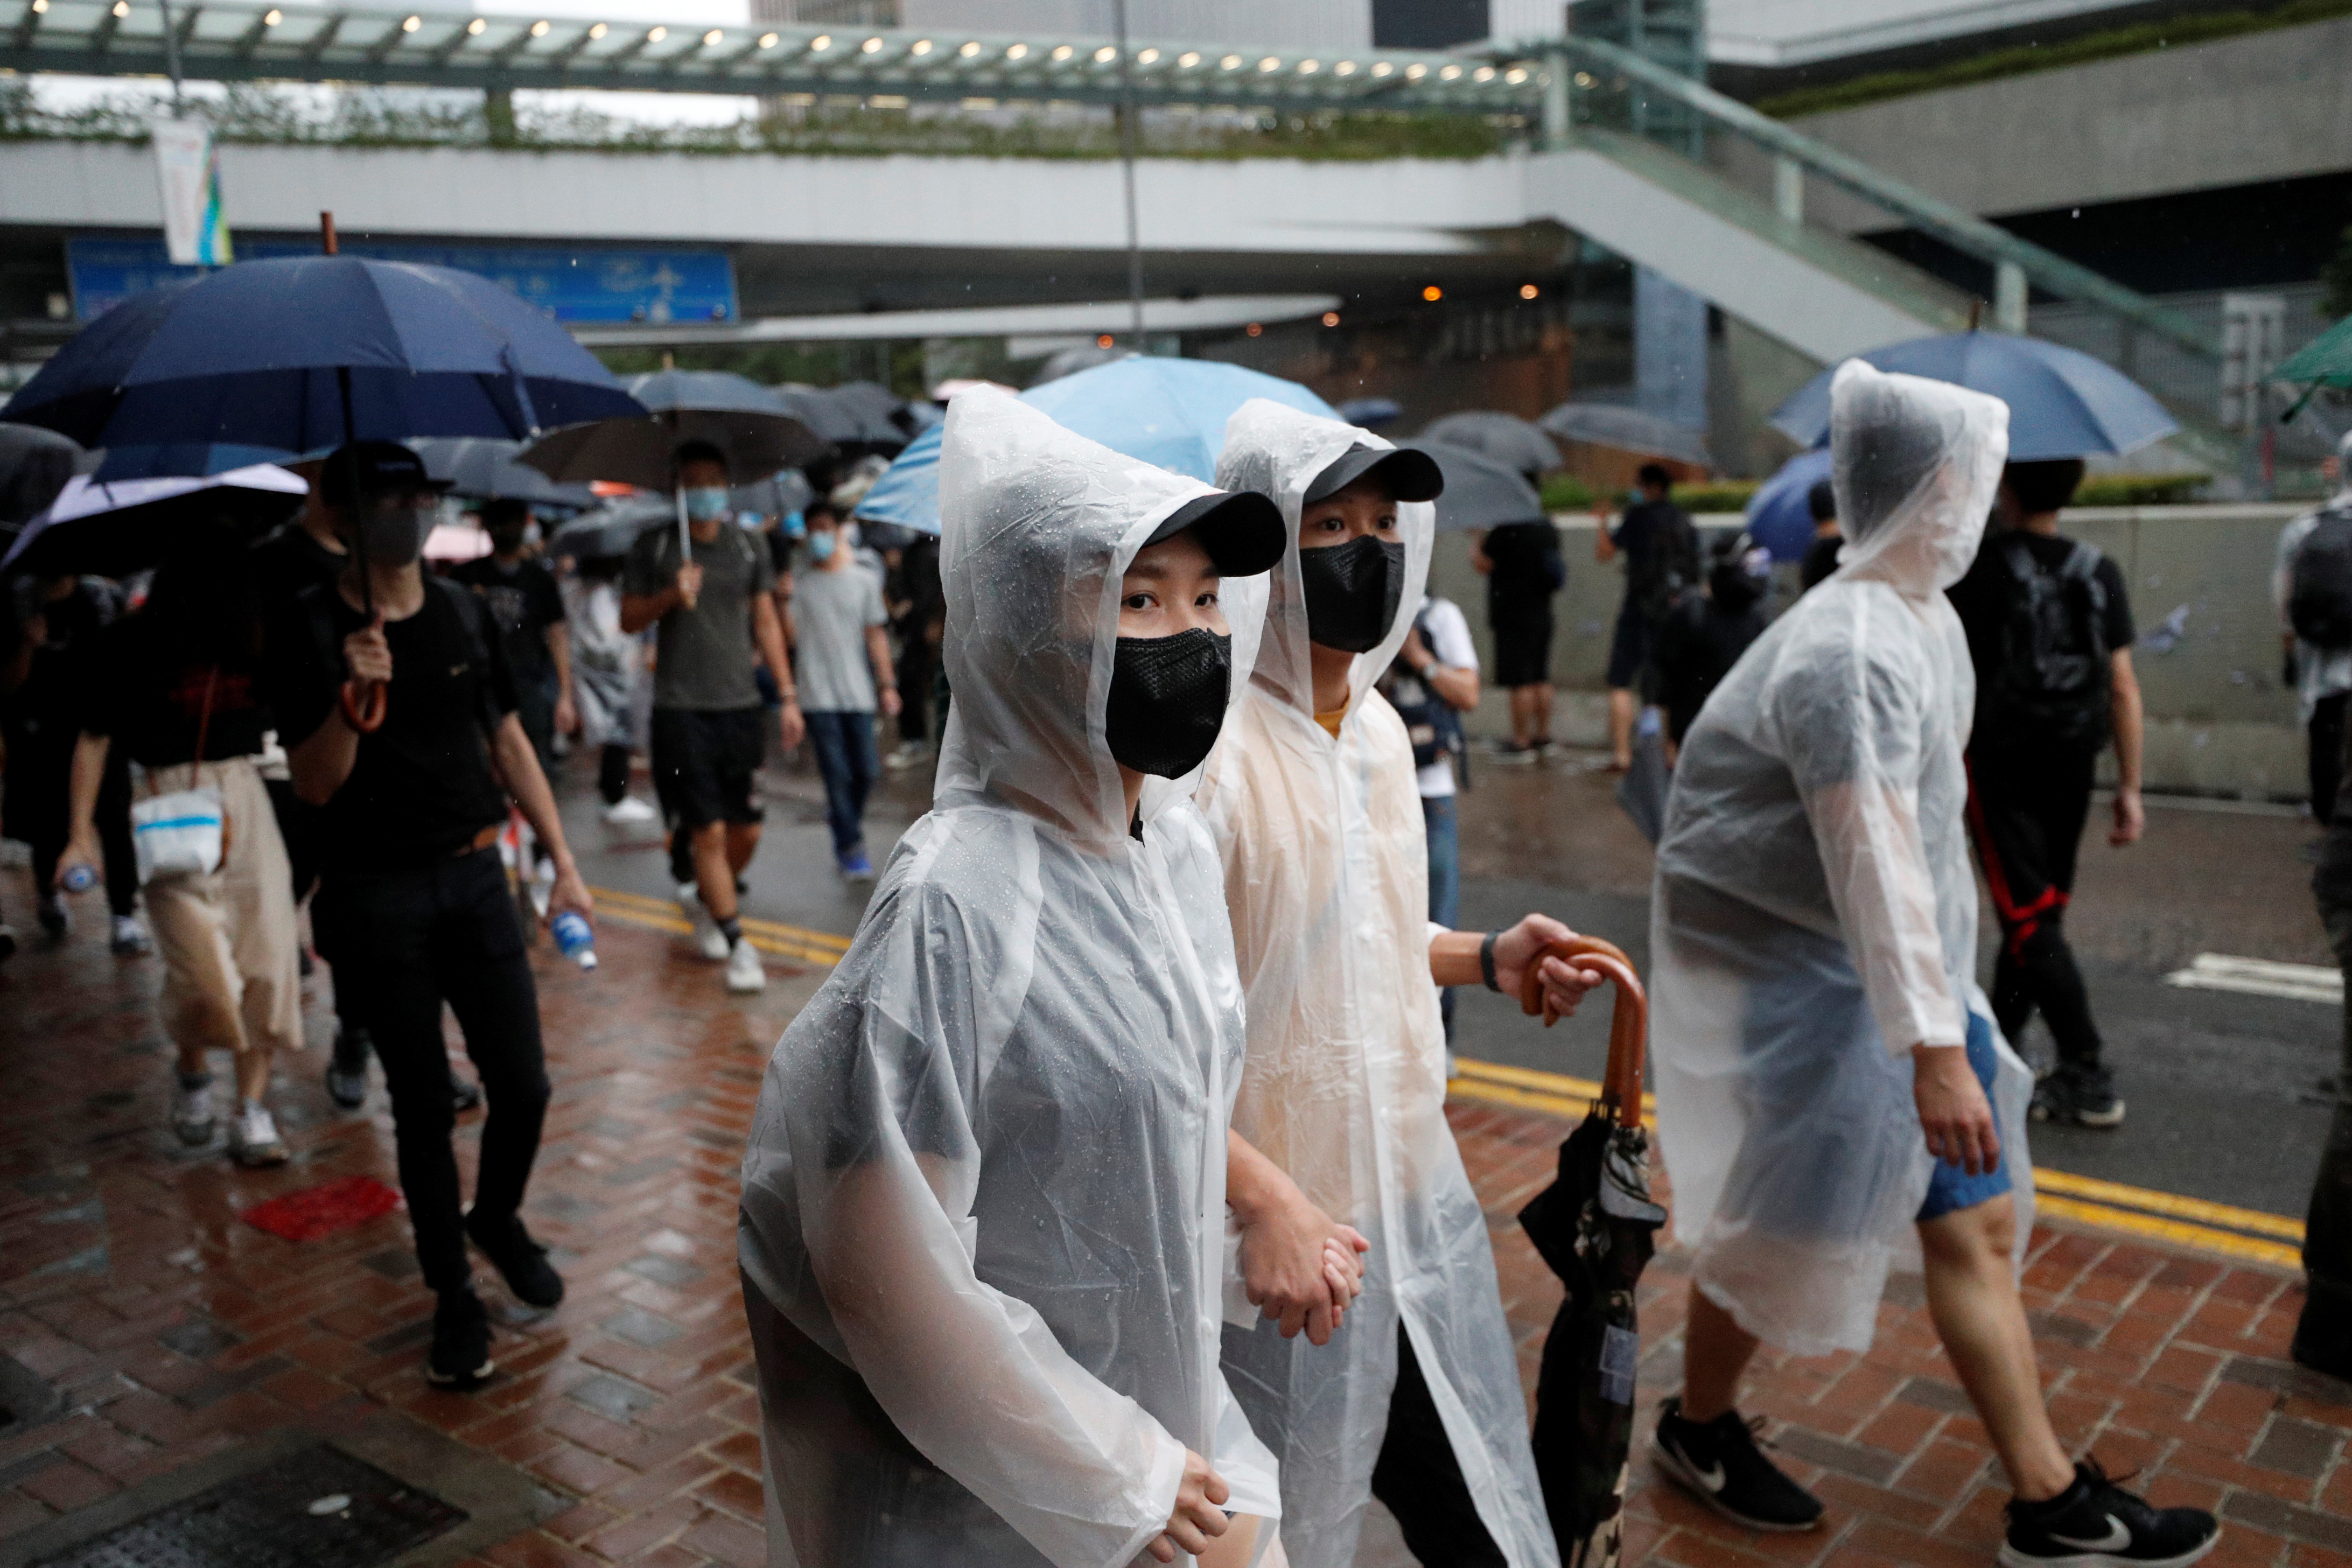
(1720, 1463)
(2095, 1522)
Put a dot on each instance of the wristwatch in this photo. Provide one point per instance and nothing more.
(1487, 960)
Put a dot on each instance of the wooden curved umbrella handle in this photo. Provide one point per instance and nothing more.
(1629, 1024)
(364, 704)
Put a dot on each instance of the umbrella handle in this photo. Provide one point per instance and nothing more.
(1629, 1024)
(364, 706)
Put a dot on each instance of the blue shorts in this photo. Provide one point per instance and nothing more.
(1949, 1187)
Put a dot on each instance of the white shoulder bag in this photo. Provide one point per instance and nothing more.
(183, 834)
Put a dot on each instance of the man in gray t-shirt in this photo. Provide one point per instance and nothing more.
(845, 674)
(715, 607)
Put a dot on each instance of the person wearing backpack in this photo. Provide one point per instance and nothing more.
(2050, 631)
(1708, 628)
(1660, 545)
(2313, 583)
(1433, 683)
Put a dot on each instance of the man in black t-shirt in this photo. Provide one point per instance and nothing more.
(2050, 631)
(1661, 551)
(1522, 565)
(413, 898)
(528, 609)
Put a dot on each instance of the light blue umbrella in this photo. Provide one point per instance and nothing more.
(1170, 413)
(2062, 402)
(1779, 516)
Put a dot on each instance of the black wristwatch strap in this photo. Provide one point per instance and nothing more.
(1487, 960)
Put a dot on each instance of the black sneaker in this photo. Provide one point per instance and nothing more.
(461, 1341)
(347, 1069)
(2323, 1337)
(2094, 1523)
(1719, 1464)
(2085, 1096)
(521, 1262)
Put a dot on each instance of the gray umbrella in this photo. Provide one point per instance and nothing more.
(35, 465)
(1481, 492)
(1627, 430)
(1505, 438)
(611, 528)
(485, 468)
(816, 408)
(738, 415)
(1069, 362)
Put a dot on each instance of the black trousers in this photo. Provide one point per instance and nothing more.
(407, 941)
(2026, 812)
(2327, 1229)
(2326, 732)
(613, 772)
(916, 659)
(1420, 1481)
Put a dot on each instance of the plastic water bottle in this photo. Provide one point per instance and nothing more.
(574, 939)
(81, 879)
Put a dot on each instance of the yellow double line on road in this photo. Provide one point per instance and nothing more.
(799, 942)
(2271, 1239)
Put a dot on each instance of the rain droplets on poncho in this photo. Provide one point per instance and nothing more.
(984, 1199)
(1814, 914)
(1327, 871)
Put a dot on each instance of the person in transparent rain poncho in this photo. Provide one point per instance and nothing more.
(1312, 795)
(1833, 1098)
(983, 1225)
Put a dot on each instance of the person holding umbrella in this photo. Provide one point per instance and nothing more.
(1827, 1071)
(710, 588)
(414, 903)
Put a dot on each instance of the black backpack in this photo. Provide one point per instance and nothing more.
(1429, 721)
(2319, 582)
(2055, 680)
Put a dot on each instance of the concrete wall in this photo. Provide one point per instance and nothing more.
(2265, 106)
(2220, 721)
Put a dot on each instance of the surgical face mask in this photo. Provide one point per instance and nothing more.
(822, 542)
(1168, 700)
(1353, 592)
(393, 538)
(795, 525)
(705, 503)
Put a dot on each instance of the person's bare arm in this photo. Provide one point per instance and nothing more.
(558, 653)
(768, 633)
(639, 611)
(1604, 549)
(322, 761)
(1954, 1114)
(1454, 960)
(519, 764)
(1300, 1266)
(2130, 727)
(1480, 562)
(886, 681)
(88, 773)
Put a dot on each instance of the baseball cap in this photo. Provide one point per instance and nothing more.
(379, 467)
(1410, 475)
(1242, 530)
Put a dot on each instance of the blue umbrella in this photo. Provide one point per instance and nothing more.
(303, 353)
(1779, 517)
(1372, 413)
(2062, 402)
(1170, 413)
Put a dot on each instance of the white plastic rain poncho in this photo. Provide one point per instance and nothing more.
(1814, 915)
(1327, 872)
(984, 1200)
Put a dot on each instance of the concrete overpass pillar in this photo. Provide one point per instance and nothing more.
(2009, 297)
(1789, 189)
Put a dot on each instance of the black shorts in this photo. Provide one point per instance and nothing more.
(703, 762)
(1522, 646)
(1629, 650)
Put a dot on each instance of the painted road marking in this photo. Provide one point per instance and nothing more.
(2262, 977)
(821, 948)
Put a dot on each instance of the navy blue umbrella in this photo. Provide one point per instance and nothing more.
(1779, 514)
(2062, 402)
(304, 352)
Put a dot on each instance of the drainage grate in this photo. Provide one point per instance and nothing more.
(264, 1519)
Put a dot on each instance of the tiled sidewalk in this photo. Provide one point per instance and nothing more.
(169, 1331)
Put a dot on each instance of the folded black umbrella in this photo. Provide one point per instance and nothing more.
(1596, 1226)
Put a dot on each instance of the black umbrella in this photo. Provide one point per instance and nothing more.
(1481, 492)
(611, 529)
(35, 465)
(1626, 430)
(112, 530)
(1596, 1227)
(816, 408)
(485, 468)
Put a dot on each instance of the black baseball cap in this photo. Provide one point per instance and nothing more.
(1242, 530)
(1411, 474)
(379, 468)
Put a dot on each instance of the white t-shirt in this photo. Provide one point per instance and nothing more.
(1449, 644)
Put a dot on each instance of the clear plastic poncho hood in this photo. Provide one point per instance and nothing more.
(1814, 914)
(983, 1197)
(1325, 876)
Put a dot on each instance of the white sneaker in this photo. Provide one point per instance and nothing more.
(708, 940)
(193, 1117)
(628, 811)
(130, 939)
(744, 975)
(253, 1137)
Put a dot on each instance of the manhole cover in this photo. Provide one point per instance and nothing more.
(264, 1519)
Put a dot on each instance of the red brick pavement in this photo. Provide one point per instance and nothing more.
(172, 1330)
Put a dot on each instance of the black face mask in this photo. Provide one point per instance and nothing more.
(1353, 592)
(1168, 700)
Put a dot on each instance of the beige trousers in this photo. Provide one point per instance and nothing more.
(232, 956)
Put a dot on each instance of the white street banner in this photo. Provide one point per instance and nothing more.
(188, 173)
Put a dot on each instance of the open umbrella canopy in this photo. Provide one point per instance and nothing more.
(35, 465)
(113, 529)
(816, 408)
(1481, 492)
(486, 470)
(1372, 413)
(743, 419)
(1170, 413)
(2062, 402)
(260, 354)
(2326, 361)
(1505, 438)
(1779, 516)
(611, 528)
(1627, 430)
